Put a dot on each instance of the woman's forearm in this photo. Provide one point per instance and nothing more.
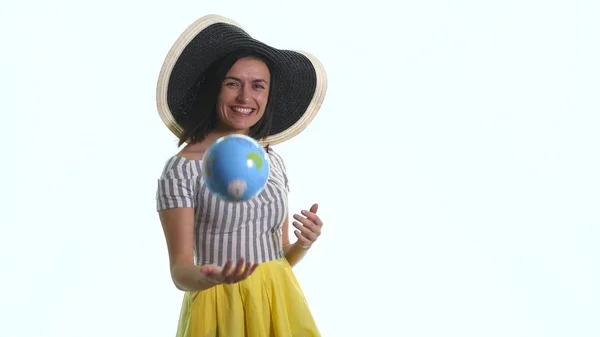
(294, 253)
(188, 277)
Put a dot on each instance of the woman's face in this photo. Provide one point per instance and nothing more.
(243, 96)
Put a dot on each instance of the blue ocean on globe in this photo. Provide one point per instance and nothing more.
(235, 168)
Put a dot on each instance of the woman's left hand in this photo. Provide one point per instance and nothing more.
(308, 226)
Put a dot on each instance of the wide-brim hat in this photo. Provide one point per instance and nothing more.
(300, 86)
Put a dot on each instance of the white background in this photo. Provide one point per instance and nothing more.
(455, 160)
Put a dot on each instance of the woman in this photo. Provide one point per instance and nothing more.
(233, 260)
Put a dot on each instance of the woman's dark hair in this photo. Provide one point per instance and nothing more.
(201, 118)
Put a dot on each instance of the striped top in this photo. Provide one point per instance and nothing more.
(227, 230)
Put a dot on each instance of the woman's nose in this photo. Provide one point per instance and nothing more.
(243, 94)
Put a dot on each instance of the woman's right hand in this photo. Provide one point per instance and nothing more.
(229, 273)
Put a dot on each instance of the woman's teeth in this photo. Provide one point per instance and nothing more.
(243, 111)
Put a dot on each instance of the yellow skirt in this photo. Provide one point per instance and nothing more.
(269, 303)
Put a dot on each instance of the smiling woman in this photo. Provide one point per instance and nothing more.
(244, 95)
(238, 87)
(234, 260)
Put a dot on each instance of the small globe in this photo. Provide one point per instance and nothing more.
(235, 168)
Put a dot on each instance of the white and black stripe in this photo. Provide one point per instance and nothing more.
(227, 230)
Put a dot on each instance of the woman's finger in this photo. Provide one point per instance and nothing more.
(250, 268)
(314, 218)
(303, 240)
(306, 232)
(226, 268)
(308, 224)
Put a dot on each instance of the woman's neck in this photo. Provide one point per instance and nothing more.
(196, 150)
(218, 133)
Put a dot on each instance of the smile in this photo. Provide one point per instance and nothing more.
(242, 111)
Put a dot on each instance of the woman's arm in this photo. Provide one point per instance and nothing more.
(178, 227)
(293, 252)
(175, 202)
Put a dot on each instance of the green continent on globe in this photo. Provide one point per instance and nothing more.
(255, 157)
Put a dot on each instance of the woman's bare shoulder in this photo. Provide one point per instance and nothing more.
(193, 151)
